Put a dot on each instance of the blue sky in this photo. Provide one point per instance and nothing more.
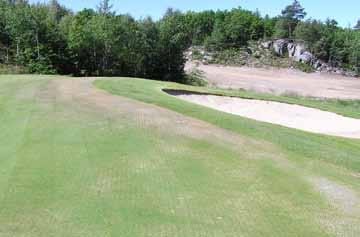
(346, 12)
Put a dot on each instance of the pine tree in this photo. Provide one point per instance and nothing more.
(357, 26)
(105, 7)
(294, 11)
(292, 14)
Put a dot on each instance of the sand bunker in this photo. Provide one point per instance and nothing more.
(292, 116)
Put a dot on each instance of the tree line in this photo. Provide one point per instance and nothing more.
(49, 38)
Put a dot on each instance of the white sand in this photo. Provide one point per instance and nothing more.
(292, 116)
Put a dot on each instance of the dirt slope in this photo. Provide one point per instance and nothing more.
(281, 81)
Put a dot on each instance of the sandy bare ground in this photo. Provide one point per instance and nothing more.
(292, 116)
(281, 81)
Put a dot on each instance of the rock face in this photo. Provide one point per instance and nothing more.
(258, 54)
(267, 44)
(306, 57)
(299, 53)
(295, 51)
(291, 47)
(280, 47)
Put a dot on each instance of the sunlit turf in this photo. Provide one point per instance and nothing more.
(303, 146)
(71, 170)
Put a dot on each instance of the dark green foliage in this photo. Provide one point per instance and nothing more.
(195, 78)
(332, 44)
(289, 19)
(309, 31)
(291, 16)
(357, 26)
(235, 28)
(48, 38)
(269, 26)
(304, 67)
(172, 43)
(354, 55)
(199, 25)
(31, 36)
(294, 11)
(105, 7)
(242, 26)
(217, 40)
(281, 29)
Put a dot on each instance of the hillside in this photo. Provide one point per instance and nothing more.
(281, 53)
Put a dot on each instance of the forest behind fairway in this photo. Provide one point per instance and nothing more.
(51, 39)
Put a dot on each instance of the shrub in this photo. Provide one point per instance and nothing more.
(195, 78)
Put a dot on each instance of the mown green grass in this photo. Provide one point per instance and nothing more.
(302, 146)
(67, 169)
(335, 158)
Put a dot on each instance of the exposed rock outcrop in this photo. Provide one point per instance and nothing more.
(280, 47)
(298, 53)
(267, 44)
(288, 48)
(274, 53)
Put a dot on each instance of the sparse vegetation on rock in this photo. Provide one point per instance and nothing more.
(323, 45)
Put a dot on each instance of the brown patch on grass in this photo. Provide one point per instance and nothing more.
(338, 196)
(344, 221)
(157, 119)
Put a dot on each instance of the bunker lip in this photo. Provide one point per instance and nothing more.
(177, 92)
(284, 114)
